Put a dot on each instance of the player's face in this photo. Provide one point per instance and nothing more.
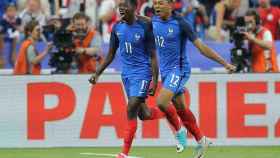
(162, 8)
(126, 10)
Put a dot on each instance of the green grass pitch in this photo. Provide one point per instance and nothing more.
(142, 152)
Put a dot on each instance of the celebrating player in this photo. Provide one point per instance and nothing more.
(134, 39)
(171, 32)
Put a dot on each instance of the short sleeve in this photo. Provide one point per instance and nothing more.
(267, 36)
(187, 30)
(96, 41)
(114, 41)
(31, 54)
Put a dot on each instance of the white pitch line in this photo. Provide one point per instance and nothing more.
(106, 155)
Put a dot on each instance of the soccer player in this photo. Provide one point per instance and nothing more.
(135, 42)
(171, 32)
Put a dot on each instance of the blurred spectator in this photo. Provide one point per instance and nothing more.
(46, 5)
(107, 14)
(209, 5)
(33, 11)
(261, 44)
(89, 7)
(244, 7)
(87, 42)
(270, 17)
(223, 19)
(11, 27)
(147, 9)
(28, 60)
(178, 5)
(195, 13)
(3, 4)
(255, 3)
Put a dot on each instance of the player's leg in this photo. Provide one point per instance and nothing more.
(189, 121)
(170, 84)
(132, 111)
(136, 93)
(163, 100)
(148, 113)
(187, 117)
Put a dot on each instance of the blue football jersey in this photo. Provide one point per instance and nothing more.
(134, 43)
(170, 37)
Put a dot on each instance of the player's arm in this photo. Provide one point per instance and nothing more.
(209, 53)
(152, 49)
(114, 44)
(108, 60)
(204, 49)
(155, 71)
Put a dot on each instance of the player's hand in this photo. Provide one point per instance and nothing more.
(93, 79)
(230, 68)
(153, 90)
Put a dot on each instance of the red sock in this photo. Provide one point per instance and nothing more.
(172, 117)
(129, 135)
(189, 122)
(155, 113)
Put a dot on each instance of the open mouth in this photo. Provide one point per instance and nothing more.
(157, 12)
(122, 11)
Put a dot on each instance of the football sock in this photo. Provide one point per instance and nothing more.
(155, 113)
(129, 135)
(172, 117)
(189, 121)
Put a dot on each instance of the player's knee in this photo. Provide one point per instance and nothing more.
(162, 105)
(179, 106)
(133, 107)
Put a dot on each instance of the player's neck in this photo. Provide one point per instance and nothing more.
(131, 20)
(167, 16)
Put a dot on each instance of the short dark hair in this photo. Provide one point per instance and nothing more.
(255, 14)
(80, 15)
(29, 27)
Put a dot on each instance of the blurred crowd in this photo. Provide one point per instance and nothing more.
(212, 20)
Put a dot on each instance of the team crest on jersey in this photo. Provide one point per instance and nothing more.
(170, 31)
(137, 36)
